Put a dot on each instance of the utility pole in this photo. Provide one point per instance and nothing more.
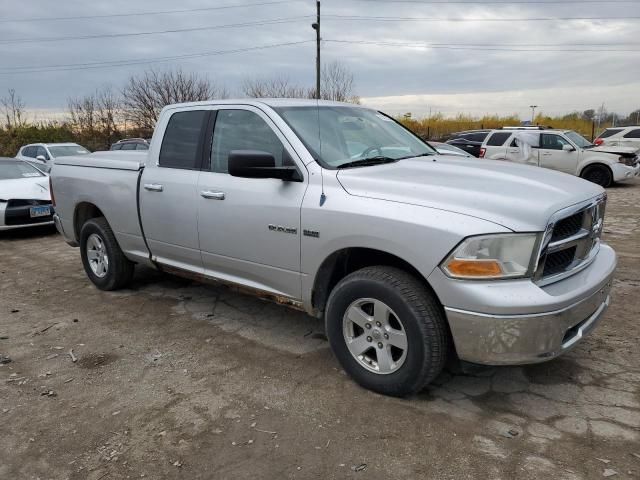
(316, 27)
(533, 113)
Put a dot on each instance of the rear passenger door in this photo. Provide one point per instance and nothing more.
(250, 227)
(168, 192)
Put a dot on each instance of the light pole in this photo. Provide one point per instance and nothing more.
(533, 113)
(316, 27)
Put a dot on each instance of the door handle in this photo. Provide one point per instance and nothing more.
(153, 187)
(546, 154)
(212, 195)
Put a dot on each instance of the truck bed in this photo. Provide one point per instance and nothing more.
(111, 160)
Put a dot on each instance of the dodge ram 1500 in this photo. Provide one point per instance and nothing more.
(410, 256)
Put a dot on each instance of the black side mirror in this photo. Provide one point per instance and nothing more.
(258, 164)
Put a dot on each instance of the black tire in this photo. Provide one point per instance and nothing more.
(598, 174)
(421, 315)
(120, 269)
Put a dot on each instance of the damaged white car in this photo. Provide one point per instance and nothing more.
(25, 199)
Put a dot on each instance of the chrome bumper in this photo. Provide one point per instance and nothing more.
(521, 338)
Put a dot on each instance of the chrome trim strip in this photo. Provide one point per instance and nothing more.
(567, 242)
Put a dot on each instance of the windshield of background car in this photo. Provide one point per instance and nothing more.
(68, 150)
(336, 136)
(578, 139)
(14, 170)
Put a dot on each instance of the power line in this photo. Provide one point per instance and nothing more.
(122, 63)
(146, 14)
(472, 47)
(273, 21)
(503, 2)
(436, 19)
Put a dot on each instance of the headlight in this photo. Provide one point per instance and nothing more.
(510, 255)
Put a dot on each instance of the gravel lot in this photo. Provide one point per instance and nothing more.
(174, 379)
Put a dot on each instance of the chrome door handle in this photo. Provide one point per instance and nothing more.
(546, 154)
(153, 187)
(212, 195)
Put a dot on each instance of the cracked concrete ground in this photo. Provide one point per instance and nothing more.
(175, 379)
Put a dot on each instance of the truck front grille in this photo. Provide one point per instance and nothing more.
(571, 241)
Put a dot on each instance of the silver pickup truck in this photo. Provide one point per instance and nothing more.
(411, 257)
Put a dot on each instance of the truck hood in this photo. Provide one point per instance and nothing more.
(615, 150)
(518, 197)
(36, 188)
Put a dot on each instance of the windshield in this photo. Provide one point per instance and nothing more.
(340, 136)
(67, 150)
(578, 139)
(14, 170)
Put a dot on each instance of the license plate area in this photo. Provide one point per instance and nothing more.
(36, 212)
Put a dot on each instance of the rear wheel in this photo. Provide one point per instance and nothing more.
(103, 260)
(598, 174)
(387, 330)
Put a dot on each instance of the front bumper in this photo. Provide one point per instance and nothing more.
(519, 322)
(623, 172)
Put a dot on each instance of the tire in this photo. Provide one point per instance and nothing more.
(598, 174)
(98, 242)
(411, 306)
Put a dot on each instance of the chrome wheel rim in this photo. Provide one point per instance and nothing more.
(97, 255)
(375, 336)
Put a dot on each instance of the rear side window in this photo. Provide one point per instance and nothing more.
(635, 133)
(181, 142)
(129, 146)
(497, 139)
(609, 132)
(116, 146)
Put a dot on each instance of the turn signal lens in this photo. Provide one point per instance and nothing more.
(474, 268)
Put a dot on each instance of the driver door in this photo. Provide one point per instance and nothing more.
(554, 157)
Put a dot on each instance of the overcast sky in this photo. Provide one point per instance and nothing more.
(450, 66)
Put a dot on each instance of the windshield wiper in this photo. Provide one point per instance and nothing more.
(416, 156)
(365, 162)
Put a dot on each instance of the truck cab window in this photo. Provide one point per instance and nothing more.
(243, 130)
(182, 139)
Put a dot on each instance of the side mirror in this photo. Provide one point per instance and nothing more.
(568, 148)
(41, 158)
(258, 164)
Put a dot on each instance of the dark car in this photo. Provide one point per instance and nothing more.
(131, 144)
(470, 141)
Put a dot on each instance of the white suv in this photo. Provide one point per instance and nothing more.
(565, 151)
(620, 136)
(41, 155)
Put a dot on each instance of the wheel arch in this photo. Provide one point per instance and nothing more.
(342, 262)
(597, 163)
(84, 211)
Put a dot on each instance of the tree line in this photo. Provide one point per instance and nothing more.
(98, 119)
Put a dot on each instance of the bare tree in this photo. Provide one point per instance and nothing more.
(96, 117)
(13, 109)
(337, 83)
(145, 95)
(278, 87)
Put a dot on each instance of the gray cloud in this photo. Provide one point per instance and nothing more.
(393, 77)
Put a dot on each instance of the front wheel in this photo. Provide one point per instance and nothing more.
(387, 330)
(103, 260)
(598, 174)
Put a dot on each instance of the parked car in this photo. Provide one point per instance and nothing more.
(470, 141)
(131, 144)
(409, 256)
(565, 151)
(620, 137)
(446, 149)
(25, 200)
(42, 154)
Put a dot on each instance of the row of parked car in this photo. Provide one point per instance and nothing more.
(612, 157)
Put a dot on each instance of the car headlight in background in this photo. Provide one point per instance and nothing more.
(511, 255)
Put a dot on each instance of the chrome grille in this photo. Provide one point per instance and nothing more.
(571, 240)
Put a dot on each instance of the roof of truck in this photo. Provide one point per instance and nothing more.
(272, 102)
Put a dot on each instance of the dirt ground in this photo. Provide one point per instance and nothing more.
(174, 379)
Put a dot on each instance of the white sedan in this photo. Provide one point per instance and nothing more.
(25, 200)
